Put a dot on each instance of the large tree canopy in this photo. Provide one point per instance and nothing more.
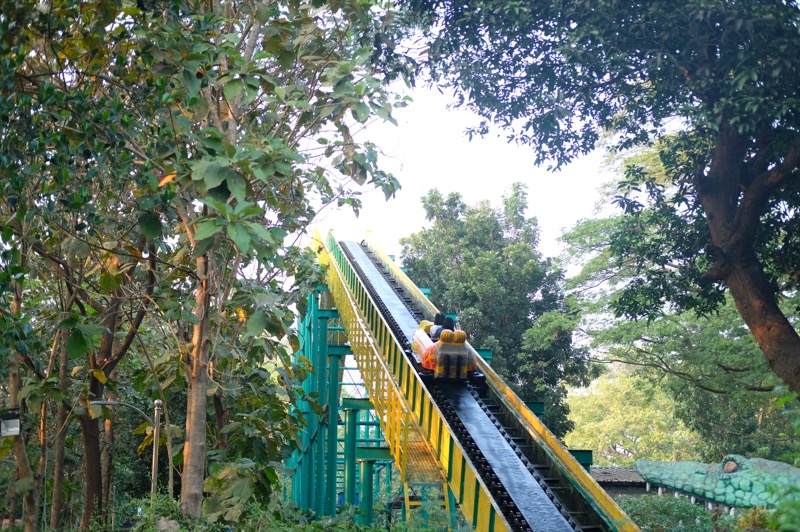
(482, 264)
(722, 76)
(619, 434)
(708, 367)
(154, 156)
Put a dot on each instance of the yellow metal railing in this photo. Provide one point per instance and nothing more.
(408, 446)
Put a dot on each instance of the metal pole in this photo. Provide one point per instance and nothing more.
(350, 432)
(321, 383)
(333, 430)
(365, 493)
(156, 437)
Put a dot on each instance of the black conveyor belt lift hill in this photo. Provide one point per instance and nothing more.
(494, 464)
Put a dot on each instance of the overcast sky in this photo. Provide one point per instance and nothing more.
(429, 149)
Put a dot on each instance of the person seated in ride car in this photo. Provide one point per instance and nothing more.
(436, 328)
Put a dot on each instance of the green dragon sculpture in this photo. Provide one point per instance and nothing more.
(737, 482)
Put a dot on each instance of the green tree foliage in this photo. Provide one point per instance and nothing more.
(709, 366)
(157, 160)
(482, 264)
(623, 417)
(667, 514)
(723, 77)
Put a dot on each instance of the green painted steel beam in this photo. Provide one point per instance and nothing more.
(349, 403)
(373, 454)
(584, 457)
(340, 350)
(537, 407)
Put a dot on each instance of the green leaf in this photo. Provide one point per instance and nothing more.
(217, 174)
(219, 206)
(207, 229)
(76, 344)
(200, 168)
(283, 167)
(278, 233)
(91, 330)
(150, 224)
(67, 323)
(260, 231)
(139, 381)
(191, 82)
(263, 171)
(8, 233)
(360, 112)
(238, 186)
(212, 172)
(26, 391)
(256, 323)
(109, 282)
(202, 247)
(232, 89)
(238, 233)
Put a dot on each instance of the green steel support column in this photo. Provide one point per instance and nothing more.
(365, 493)
(296, 483)
(306, 462)
(333, 416)
(350, 432)
(368, 456)
(309, 469)
(423, 507)
(320, 366)
(351, 408)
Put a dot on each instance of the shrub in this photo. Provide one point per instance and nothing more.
(757, 518)
(666, 514)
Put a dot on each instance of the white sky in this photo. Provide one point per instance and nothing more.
(429, 149)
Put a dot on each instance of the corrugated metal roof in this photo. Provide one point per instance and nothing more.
(616, 475)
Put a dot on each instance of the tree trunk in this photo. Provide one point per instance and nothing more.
(11, 499)
(60, 439)
(776, 337)
(194, 451)
(734, 200)
(170, 458)
(106, 468)
(24, 471)
(41, 469)
(220, 414)
(56, 504)
(93, 476)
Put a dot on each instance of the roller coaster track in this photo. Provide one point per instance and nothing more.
(505, 469)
